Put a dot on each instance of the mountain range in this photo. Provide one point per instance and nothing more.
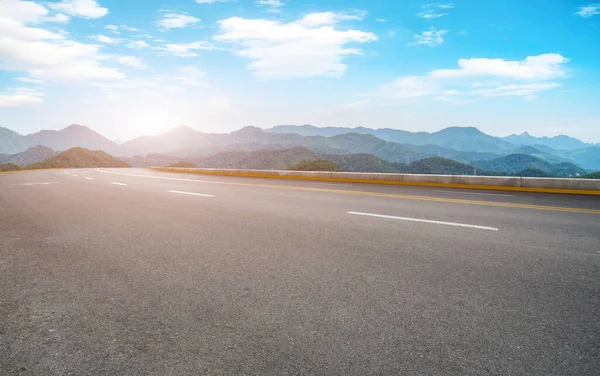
(466, 145)
(31, 155)
(306, 159)
(72, 136)
(559, 142)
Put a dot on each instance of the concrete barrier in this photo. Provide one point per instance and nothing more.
(501, 183)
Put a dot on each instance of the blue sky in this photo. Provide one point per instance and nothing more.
(127, 68)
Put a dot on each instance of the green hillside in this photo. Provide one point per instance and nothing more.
(79, 158)
(258, 159)
(362, 163)
(535, 173)
(516, 163)
(9, 167)
(315, 165)
(281, 159)
(441, 166)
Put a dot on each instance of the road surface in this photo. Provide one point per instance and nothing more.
(130, 271)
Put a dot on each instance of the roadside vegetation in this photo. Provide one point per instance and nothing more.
(183, 164)
(72, 158)
(9, 167)
(316, 165)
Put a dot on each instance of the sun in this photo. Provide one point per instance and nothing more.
(150, 121)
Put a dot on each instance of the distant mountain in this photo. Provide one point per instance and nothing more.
(11, 142)
(462, 144)
(181, 137)
(588, 158)
(469, 139)
(551, 157)
(72, 136)
(79, 158)
(31, 155)
(458, 138)
(515, 163)
(387, 134)
(559, 142)
(258, 159)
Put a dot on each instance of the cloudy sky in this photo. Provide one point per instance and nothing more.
(127, 68)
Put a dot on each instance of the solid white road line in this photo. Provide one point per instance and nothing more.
(475, 193)
(89, 178)
(73, 175)
(425, 221)
(53, 182)
(151, 177)
(115, 183)
(191, 193)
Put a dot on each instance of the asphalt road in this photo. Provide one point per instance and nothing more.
(134, 272)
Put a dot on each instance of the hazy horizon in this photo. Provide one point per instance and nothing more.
(117, 140)
(126, 70)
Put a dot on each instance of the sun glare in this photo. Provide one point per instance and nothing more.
(150, 121)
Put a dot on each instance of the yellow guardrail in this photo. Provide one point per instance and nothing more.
(497, 183)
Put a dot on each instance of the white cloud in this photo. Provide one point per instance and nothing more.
(129, 28)
(589, 10)
(328, 18)
(20, 97)
(137, 45)
(130, 61)
(519, 90)
(185, 77)
(113, 28)
(58, 18)
(80, 8)
(15, 30)
(22, 11)
(271, 5)
(29, 80)
(311, 46)
(186, 49)
(212, 1)
(105, 39)
(380, 20)
(431, 37)
(409, 87)
(356, 104)
(44, 54)
(434, 10)
(174, 20)
(480, 77)
(540, 67)
(189, 75)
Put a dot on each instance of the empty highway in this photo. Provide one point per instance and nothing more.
(137, 272)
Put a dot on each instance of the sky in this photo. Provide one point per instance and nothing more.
(136, 67)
